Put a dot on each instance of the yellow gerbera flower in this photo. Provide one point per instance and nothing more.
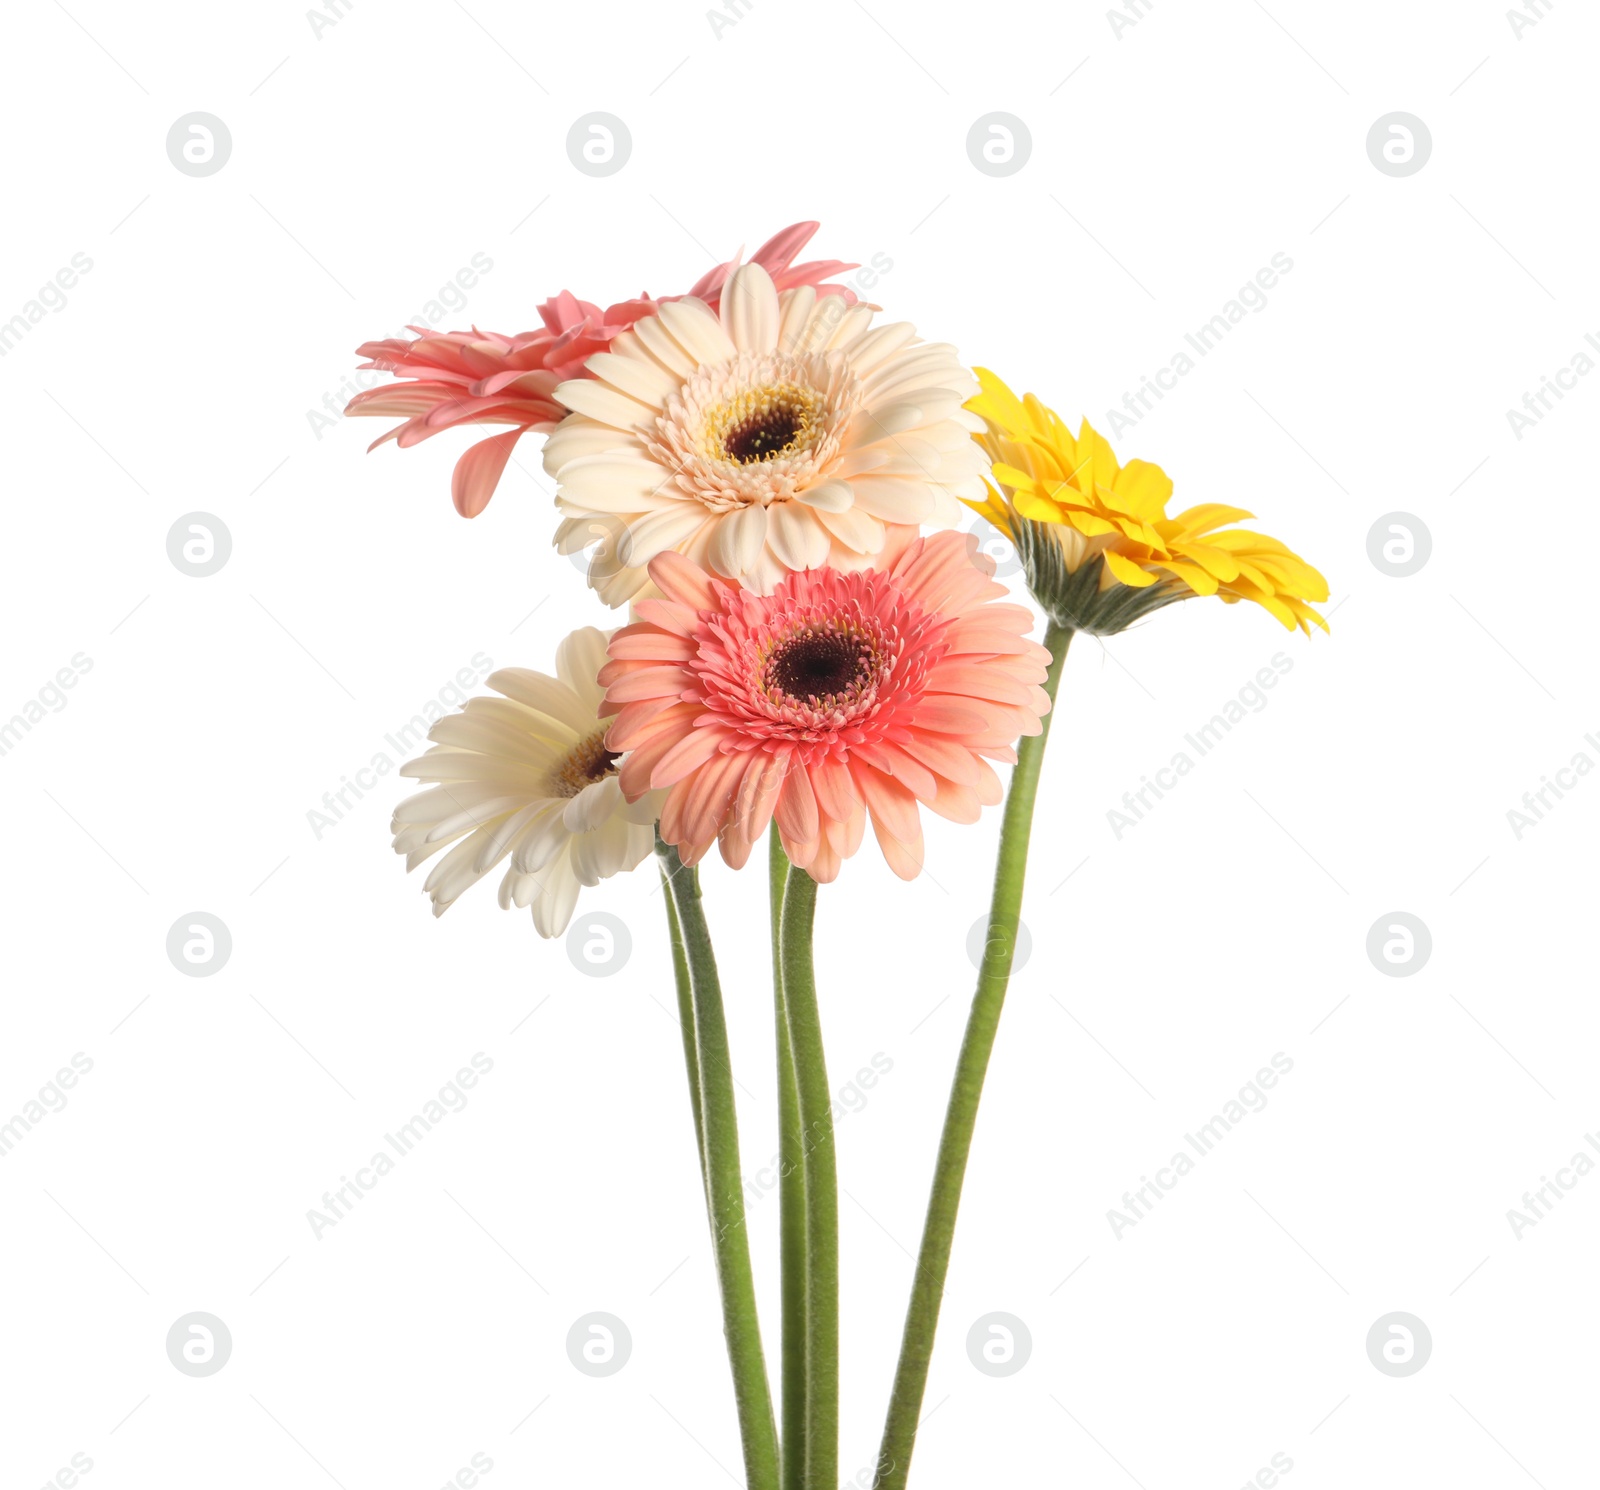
(1094, 537)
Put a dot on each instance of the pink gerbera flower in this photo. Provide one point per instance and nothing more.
(836, 698)
(481, 377)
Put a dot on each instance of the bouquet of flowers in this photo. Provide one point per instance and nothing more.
(772, 484)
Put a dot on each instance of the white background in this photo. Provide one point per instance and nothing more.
(369, 164)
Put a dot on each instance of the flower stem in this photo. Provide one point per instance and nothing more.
(724, 1184)
(821, 1468)
(933, 1258)
(791, 1199)
(691, 1060)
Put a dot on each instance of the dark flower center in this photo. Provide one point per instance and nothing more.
(763, 423)
(815, 666)
(586, 764)
(762, 436)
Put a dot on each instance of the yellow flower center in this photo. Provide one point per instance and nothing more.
(761, 424)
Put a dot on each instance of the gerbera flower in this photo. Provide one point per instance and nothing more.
(481, 377)
(526, 776)
(1094, 536)
(839, 697)
(776, 435)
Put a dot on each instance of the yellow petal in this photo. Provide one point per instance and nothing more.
(1146, 488)
(1215, 560)
(1040, 509)
(1191, 574)
(1009, 475)
(1202, 519)
(1126, 570)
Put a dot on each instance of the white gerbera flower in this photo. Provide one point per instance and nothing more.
(526, 775)
(782, 434)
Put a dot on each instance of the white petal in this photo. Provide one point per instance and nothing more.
(935, 403)
(545, 839)
(948, 512)
(548, 695)
(738, 540)
(867, 458)
(923, 367)
(454, 873)
(851, 325)
(829, 496)
(589, 811)
(639, 377)
(797, 306)
(658, 531)
(600, 401)
(641, 844)
(894, 499)
(878, 343)
(910, 455)
(644, 812)
(576, 436)
(576, 533)
(858, 531)
(664, 347)
(616, 586)
(472, 770)
(556, 900)
(599, 855)
(480, 731)
(750, 309)
(425, 808)
(486, 815)
(766, 574)
(871, 425)
(795, 536)
(614, 483)
(579, 659)
(498, 844)
(697, 330)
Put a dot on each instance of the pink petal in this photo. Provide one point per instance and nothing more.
(478, 472)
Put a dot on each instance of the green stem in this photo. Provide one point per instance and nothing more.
(933, 1258)
(691, 1060)
(724, 1184)
(821, 1470)
(791, 1199)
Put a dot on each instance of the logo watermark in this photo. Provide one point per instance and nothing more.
(340, 1201)
(50, 699)
(1552, 389)
(1538, 801)
(408, 739)
(50, 297)
(51, 1097)
(450, 296)
(1539, 1203)
(1251, 298)
(1140, 802)
(851, 1097)
(1137, 1204)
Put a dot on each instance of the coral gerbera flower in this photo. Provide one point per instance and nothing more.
(528, 776)
(781, 433)
(839, 697)
(1094, 535)
(481, 377)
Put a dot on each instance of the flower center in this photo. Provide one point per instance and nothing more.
(821, 668)
(762, 423)
(586, 763)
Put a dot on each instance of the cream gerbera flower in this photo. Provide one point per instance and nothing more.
(526, 775)
(780, 433)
